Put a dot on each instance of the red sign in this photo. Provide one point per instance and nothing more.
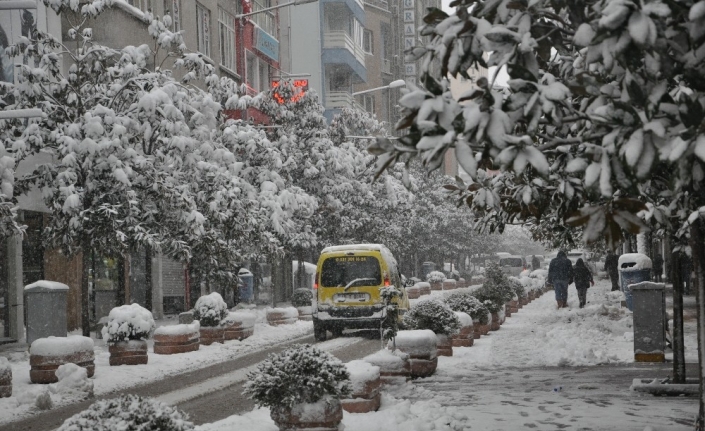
(300, 87)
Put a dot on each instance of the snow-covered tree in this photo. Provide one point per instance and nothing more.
(601, 125)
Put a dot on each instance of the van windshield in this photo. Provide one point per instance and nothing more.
(339, 271)
(511, 261)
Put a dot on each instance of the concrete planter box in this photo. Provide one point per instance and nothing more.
(483, 329)
(393, 367)
(173, 339)
(132, 352)
(524, 300)
(464, 338)
(496, 322)
(324, 415)
(413, 292)
(282, 316)
(462, 283)
(445, 345)
(424, 288)
(238, 325)
(421, 346)
(450, 284)
(305, 313)
(44, 356)
(212, 334)
(508, 310)
(436, 285)
(531, 296)
(366, 384)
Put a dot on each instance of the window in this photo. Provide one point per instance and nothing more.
(257, 73)
(353, 271)
(263, 75)
(143, 5)
(368, 102)
(203, 30)
(367, 41)
(357, 32)
(226, 30)
(173, 9)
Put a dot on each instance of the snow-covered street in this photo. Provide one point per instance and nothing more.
(544, 369)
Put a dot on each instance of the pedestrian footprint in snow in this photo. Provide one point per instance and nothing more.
(583, 280)
(560, 275)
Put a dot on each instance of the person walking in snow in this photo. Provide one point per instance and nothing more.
(535, 263)
(583, 280)
(560, 274)
(612, 269)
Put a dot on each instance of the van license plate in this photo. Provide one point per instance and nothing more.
(351, 297)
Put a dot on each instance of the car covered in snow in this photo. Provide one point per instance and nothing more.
(512, 265)
(347, 288)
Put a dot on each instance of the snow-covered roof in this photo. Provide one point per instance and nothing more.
(354, 247)
(46, 285)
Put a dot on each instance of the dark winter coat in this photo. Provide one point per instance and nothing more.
(658, 263)
(583, 276)
(560, 268)
(535, 263)
(612, 264)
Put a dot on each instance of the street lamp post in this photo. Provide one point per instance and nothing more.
(293, 3)
(394, 84)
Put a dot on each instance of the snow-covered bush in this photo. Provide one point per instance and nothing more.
(210, 309)
(434, 315)
(518, 288)
(435, 277)
(467, 303)
(128, 413)
(302, 297)
(300, 374)
(128, 322)
(496, 289)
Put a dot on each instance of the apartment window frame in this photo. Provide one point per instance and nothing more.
(368, 103)
(227, 40)
(203, 37)
(173, 9)
(257, 72)
(368, 41)
(143, 5)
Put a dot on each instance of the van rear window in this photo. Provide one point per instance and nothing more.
(511, 261)
(340, 271)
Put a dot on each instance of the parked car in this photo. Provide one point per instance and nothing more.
(347, 288)
(512, 265)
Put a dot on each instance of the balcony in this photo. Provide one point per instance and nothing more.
(340, 100)
(387, 66)
(340, 39)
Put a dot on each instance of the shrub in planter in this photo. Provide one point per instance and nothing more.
(128, 328)
(436, 278)
(210, 310)
(302, 386)
(181, 338)
(129, 412)
(302, 299)
(467, 303)
(436, 316)
(46, 355)
(5, 378)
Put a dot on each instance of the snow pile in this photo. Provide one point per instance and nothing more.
(435, 277)
(60, 346)
(39, 398)
(128, 322)
(286, 312)
(464, 318)
(73, 380)
(46, 285)
(539, 273)
(361, 372)
(180, 329)
(634, 262)
(210, 309)
(5, 368)
(417, 343)
(387, 360)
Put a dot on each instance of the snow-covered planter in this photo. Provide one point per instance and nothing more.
(239, 325)
(466, 303)
(497, 319)
(449, 284)
(465, 337)
(305, 313)
(126, 332)
(485, 328)
(421, 346)
(436, 316)
(424, 287)
(365, 385)
(210, 310)
(302, 386)
(394, 367)
(413, 292)
(5, 378)
(128, 412)
(47, 354)
(462, 283)
(181, 338)
(435, 279)
(211, 334)
(282, 316)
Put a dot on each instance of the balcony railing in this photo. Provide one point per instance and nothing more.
(265, 20)
(340, 39)
(341, 99)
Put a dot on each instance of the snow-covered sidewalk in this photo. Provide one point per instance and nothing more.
(109, 379)
(544, 369)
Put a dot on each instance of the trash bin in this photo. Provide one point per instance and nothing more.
(649, 301)
(633, 268)
(247, 283)
(46, 309)
(427, 267)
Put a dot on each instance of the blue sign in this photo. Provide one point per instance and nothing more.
(266, 44)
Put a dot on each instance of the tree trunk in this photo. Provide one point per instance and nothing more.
(301, 270)
(148, 278)
(85, 303)
(120, 297)
(677, 342)
(696, 237)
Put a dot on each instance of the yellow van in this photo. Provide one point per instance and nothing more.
(347, 288)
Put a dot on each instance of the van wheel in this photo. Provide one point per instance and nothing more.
(319, 331)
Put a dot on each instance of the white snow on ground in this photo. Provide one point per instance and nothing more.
(522, 377)
(108, 379)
